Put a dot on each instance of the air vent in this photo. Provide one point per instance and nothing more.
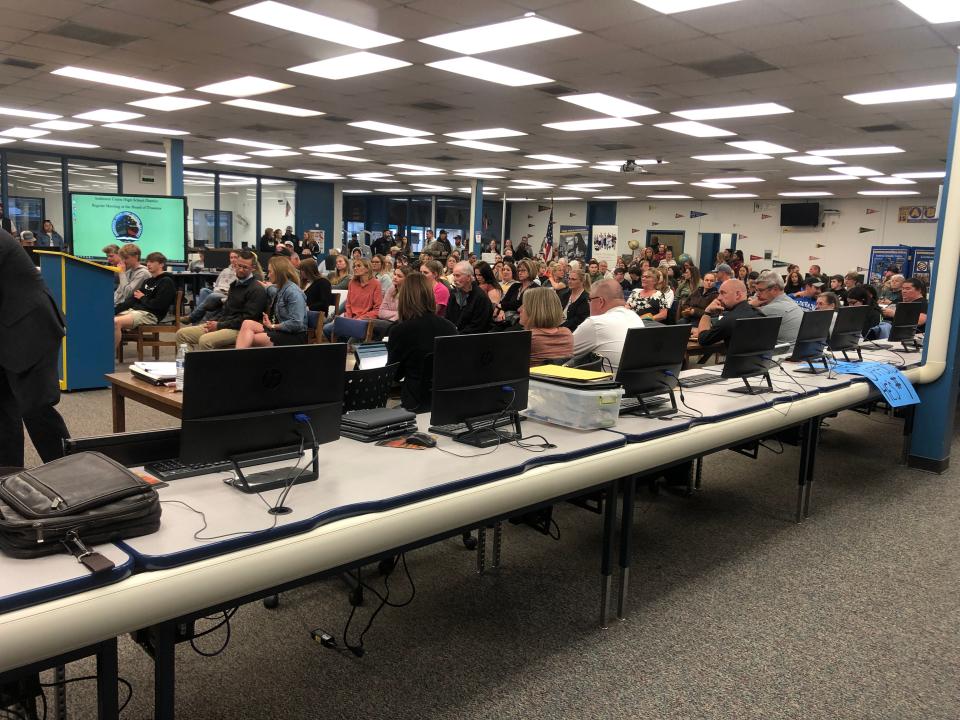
(556, 90)
(614, 146)
(152, 142)
(96, 36)
(887, 127)
(17, 62)
(732, 66)
(444, 158)
(432, 106)
(336, 119)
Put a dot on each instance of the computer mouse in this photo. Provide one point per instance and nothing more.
(421, 439)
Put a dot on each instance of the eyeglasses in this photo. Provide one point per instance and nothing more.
(594, 297)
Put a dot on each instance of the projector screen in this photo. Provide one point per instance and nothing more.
(156, 223)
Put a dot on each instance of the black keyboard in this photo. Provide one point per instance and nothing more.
(174, 469)
(701, 379)
(631, 403)
(457, 429)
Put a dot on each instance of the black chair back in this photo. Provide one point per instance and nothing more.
(366, 389)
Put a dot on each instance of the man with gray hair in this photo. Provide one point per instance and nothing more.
(772, 302)
(469, 307)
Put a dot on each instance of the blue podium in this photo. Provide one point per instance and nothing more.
(84, 292)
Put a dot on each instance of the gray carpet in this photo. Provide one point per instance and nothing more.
(735, 611)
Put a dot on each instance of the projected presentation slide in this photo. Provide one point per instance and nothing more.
(155, 223)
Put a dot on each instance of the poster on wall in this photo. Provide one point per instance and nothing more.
(881, 257)
(572, 242)
(923, 264)
(917, 214)
(603, 243)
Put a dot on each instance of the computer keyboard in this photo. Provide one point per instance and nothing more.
(628, 404)
(457, 429)
(690, 381)
(174, 469)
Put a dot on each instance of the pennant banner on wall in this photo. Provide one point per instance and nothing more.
(765, 217)
(572, 214)
(741, 236)
(820, 245)
(755, 257)
(697, 213)
(812, 257)
(865, 230)
(654, 223)
(871, 211)
(529, 217)
(542, 208)
(634, 231)
(530, 225)
(677, 216)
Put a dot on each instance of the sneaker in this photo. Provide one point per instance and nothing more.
(187, 320)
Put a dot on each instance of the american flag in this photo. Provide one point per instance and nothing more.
(548, 240)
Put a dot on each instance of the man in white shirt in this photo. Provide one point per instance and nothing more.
(605, 330)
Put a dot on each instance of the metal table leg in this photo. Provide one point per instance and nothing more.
(60, 693)
(107, 703)
(811, 462)
(802, 473)
(481, 550)
(497, 538)
(698, 481)
(626, 542)
(164, 671)
(606, 559)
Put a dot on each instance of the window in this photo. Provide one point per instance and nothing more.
(35, 192)
(238, 211)
(199, 187)
(277, 205)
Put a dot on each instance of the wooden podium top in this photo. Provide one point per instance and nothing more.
(57, 253)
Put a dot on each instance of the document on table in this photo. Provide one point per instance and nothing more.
(896, 389)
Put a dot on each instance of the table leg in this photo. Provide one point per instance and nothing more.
(802, 473)
(164, 672)
(481, 550)
(698, 481)
(811, 462)
(908, 415)
(119, 410)
(60, 693)
(497, 538)
(626, 542)
(107, 704)
(606, 559)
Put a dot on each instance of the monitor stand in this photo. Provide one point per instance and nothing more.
(274, 478)
(481, 433)
(813, 369)
(916, 347)
(847, 357)
(749, 389)
(655, 409)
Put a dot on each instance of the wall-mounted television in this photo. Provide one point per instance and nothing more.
(157, 223)
(800, 214)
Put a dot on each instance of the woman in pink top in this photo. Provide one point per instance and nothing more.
(432, 270)
(542, 314)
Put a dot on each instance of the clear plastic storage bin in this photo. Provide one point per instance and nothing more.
(584, 409)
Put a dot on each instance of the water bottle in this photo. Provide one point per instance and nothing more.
(181, 357)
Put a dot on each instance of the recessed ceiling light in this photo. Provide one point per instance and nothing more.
(532, 184)
(668, 7)
(388, 129)
(911, 94)
(857, 171)
(921, 175)
(252, 143)
(556, 159)
(334, 156)
(347, 66)
(732, 157)
(714, 185)
(608, 105)
(586, 187)
(478, 145)
(62, 125)
(243, 87)
(400, 141)
(148, 153)
(237, 163)
(274, 153)
(760, 146)
(734, 111)
(550, 166)
(22, 133)
(823, 178)
(595, 124)
(843, 152)
(513, 199)
(434, 188)
(696, 129)
(512, 33)
(405, 166)
(61, 143)
(111, 116)
(656, 183)
(892, 181)
(168, 103)
(318, 174)
(145, 129)
(935, 11)
(663, 196)
(805, 194)
(563, 197)
(482, 170)
(731, 196)
(613, 197)
(332, 148)
(492, 72)
(303, 22)
(357, 191)
(734, 180)
(607, 167)
(117, 80)
(813, 160)
(226, 157)
(888, 193)
(273, 108)
(392, 190)
(32, 114)
(487, 134)
(422, 173)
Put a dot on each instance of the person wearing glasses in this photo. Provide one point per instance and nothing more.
(772, 301)
(605, 331)
(647, 300)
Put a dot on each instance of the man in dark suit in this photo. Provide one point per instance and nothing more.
(31, 330)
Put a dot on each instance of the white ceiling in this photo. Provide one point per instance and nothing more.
(819, 50)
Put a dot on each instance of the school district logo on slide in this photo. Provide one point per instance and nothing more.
(127, 225)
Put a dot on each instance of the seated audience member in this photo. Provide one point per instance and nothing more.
(308, 246)
(541, 314)
(267, 242)
(286, 321)
(315, 286)
(132, 275)
(647, 301)
(835, 283)
(330, 261)
(817, 273)
(741, 273)
(512, 299)
(381, 273)
(555, 277)
(593, 269)
(287, 251)
(411, 340)
(807, 298)
(605, 331)
(664, 286)
(452, 259)
(112, 253)
(28, 239)
(794, 283)
(890, 291)
(723, 272)
(388, 313)
(852, 279)
(507, 276)
(751, 281)
(576, 299)
(912, 290)
(363, 295)
(469, 308)
(340, 276)
(828, 301)
(483, 274)
(874, 327)
(209, 301)
(620, 277)
(246, 300)
(431, 270)
(706, 293)
(668, 260)
(605, 270)
(687, 284)
(48, 237)
(149, 303)
(772, 302)
(717, 322)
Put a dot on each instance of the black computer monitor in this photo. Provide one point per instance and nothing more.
(241, 405)
(216, 258)
(750, 352)
(848, 330)
(650, 365)
(812, 338)
(906, 317)
(478, 379)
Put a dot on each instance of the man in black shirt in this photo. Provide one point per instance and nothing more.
(149, 303)
(382, 245)
(717, 322)
(469, 307)
(912, 290)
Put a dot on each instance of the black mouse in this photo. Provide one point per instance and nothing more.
(421, 439)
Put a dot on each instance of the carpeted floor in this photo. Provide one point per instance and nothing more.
(736, 612)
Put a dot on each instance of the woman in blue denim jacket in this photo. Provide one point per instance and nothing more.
(286, 323)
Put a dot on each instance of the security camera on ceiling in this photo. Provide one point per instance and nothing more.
(630, 166)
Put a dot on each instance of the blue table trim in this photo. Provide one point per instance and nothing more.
(55, 591)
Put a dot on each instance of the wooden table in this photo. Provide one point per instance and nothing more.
(124, 385)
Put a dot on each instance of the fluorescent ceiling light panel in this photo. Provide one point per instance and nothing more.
(400, 141)
(734, 180)
(492, 72)
(334, 156)
(805, 194)
(608, 168)
(843, 152)
(760, 146)
(921, 175)
(714, 185)
(422, 173)
(392, 190)
(613, 197)
(732, 196)
(108, 116)
(518, 199)
(274, 153)
(734, 111)
(148, 153)
(389, 129)
(225, 157)
(888, 193)
(512, 33)
(732, 157)
(405, 166)
(911, 94)
(22, 133)
(237, 163)
(244, 87)
(117, 80)
(655, 183)
(481, 170)
(273, 108)
(695, 129)
(348, 66)
(487, 134)
(478, 145)
(670, 197)
(823, 178)
(252, 143)
(813, 160)
(434, 188)
(608, 105)
(62, 125)
(356, 192)
(563, 197)
(303, 22)
(317, 173)
(332, 148)
(31, 114)
(935, 11)
(595, 124)
(145, 129)
(668, 7)
(556, 159)
(61, 143)
(368, 175)
(857, 171)
(550, 166)
(892, 181)
(168, 103)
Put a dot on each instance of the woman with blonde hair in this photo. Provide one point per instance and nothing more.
(542, 315)
(576, 298)
(432, 270)
(363, 295)
(663, 285)
(340, 276)
(286, 321)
